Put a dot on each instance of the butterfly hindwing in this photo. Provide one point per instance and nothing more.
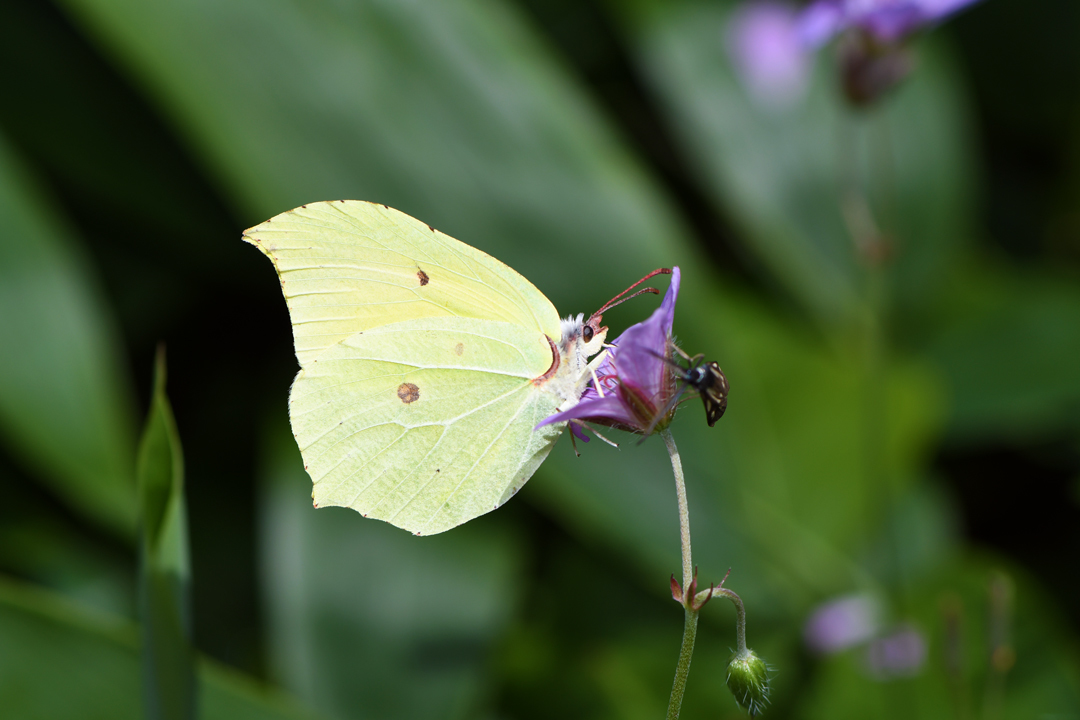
(425, 423)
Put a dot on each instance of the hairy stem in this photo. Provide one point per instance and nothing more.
(686, 652)
(684, 511)
(740, 613)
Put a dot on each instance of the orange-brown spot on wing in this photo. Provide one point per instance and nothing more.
(459, 348)
(423, 277)
(408, 393)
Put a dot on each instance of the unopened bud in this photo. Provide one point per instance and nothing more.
(748, 681)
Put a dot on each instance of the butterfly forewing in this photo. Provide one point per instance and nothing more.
(425, 423)
(349, 266)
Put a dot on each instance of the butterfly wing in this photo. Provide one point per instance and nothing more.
(425, 423)
(348, 266)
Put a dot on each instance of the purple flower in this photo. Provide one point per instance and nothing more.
(899, 654)
(770, 57)
(636, 382)
(888, 21)
(842, 623)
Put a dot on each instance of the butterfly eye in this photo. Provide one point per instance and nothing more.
(587, 333)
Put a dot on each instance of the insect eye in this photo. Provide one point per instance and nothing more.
(587, 333)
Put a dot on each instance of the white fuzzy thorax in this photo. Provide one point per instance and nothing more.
(573, 374)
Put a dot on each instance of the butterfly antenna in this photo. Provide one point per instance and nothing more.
(619, 299)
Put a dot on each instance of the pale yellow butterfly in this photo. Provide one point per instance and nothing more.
(425, 363)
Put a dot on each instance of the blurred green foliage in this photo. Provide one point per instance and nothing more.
(169, 686)
(61, 661)
(64, 400)
(583, 144)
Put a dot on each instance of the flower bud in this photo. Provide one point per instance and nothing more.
(748, 681)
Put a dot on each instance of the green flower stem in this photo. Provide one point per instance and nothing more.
(740, 612)
(684, 512)
(686, 653)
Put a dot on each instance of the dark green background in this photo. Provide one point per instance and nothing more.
(583, 143)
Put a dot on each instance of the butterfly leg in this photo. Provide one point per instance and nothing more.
(573, 442)
(612, 443)
(596, 381)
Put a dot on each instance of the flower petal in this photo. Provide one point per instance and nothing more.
(770, 57)
(887, 20)
(821, 21)
(608, 409)
(640, 351)
(636, 363)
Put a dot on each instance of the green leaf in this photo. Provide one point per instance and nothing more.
(164, 574)
(38, 546)
(369, 621)
(61, 661)
(64, 403)
(1008, 344)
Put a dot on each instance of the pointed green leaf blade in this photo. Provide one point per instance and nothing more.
(169, 688)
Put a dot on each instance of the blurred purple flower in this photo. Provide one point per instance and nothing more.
(842, 623)
(886, 20)
(770, 57)
(636, 381)
(899, 654)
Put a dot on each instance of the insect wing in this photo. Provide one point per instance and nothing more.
(349, 266)
(714, 391)
(426, 423)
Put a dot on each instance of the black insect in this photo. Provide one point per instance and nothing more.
(705, 377)
(709, 381)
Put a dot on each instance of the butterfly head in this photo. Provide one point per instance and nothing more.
(593, 333)
(581, 339)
